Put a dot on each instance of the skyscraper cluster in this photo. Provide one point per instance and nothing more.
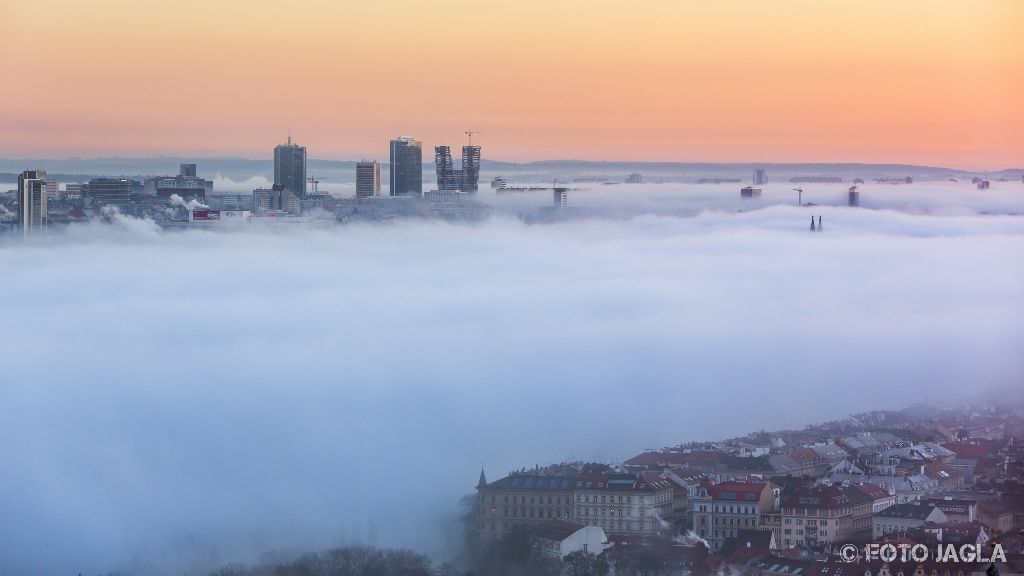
(463, 179)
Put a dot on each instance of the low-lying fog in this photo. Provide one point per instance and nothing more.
(174, 401)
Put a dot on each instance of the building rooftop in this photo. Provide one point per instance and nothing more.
(533, 482)
(907, 511)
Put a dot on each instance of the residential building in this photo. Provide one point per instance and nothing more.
(559, 538)
(522, 500)
(820, 516)
(290, 167)
(32, 210)
(367, 179)
(634, 178)
(719, 511)
(623, 503)
(749, 192)
(955, 509)
(901, 517)
(406, 167)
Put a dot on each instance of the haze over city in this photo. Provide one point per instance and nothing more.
(355, 289)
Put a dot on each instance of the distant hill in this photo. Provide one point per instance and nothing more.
(79, 169)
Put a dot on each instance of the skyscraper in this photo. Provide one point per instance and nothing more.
(447, 179)
(760, 177)
(463, 179)
(406, 159)
(367, 179)
(290, 167)
(31, 201)
(187, 170)
(470, 168)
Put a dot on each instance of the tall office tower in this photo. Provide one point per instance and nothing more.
(367, 179)
(634, 178)
(447, 177)
(32, 201)
(406, 167)
(290, 167)
(110, 190)
(470, 168)
(760, 177)
(188, 170)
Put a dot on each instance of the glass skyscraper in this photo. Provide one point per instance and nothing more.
(290, 167)
(406, 167)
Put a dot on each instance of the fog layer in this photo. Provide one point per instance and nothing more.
(174, 401)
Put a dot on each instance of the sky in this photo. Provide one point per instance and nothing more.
(926, 82)
(174, 401)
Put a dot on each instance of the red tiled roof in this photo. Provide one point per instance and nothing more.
(967, 450)
(747, 489)
(941, 471)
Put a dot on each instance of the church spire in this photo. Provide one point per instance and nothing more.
(483, 478)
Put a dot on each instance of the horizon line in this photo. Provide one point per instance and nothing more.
(524, 162)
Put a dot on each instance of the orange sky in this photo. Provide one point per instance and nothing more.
(930, 82)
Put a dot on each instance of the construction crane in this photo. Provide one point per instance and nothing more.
(799, 196)
(315, 181)
(470, 133)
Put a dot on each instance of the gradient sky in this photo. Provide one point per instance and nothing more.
(931, 82)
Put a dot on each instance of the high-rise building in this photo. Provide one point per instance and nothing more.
(470, 168)
(117, 191)
(760, 177)
(853, 196)
(561, 199)
(290, 167)
(406, 159)
(187, 170)
(634, 178)
(446, 174)
(32, 201)
(367, 179)
(463, 179)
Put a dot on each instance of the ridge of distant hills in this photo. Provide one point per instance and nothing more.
(236, 168)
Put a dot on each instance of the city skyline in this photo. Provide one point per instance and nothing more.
(933, 84)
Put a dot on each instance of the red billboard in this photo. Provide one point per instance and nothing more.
(206, 214)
